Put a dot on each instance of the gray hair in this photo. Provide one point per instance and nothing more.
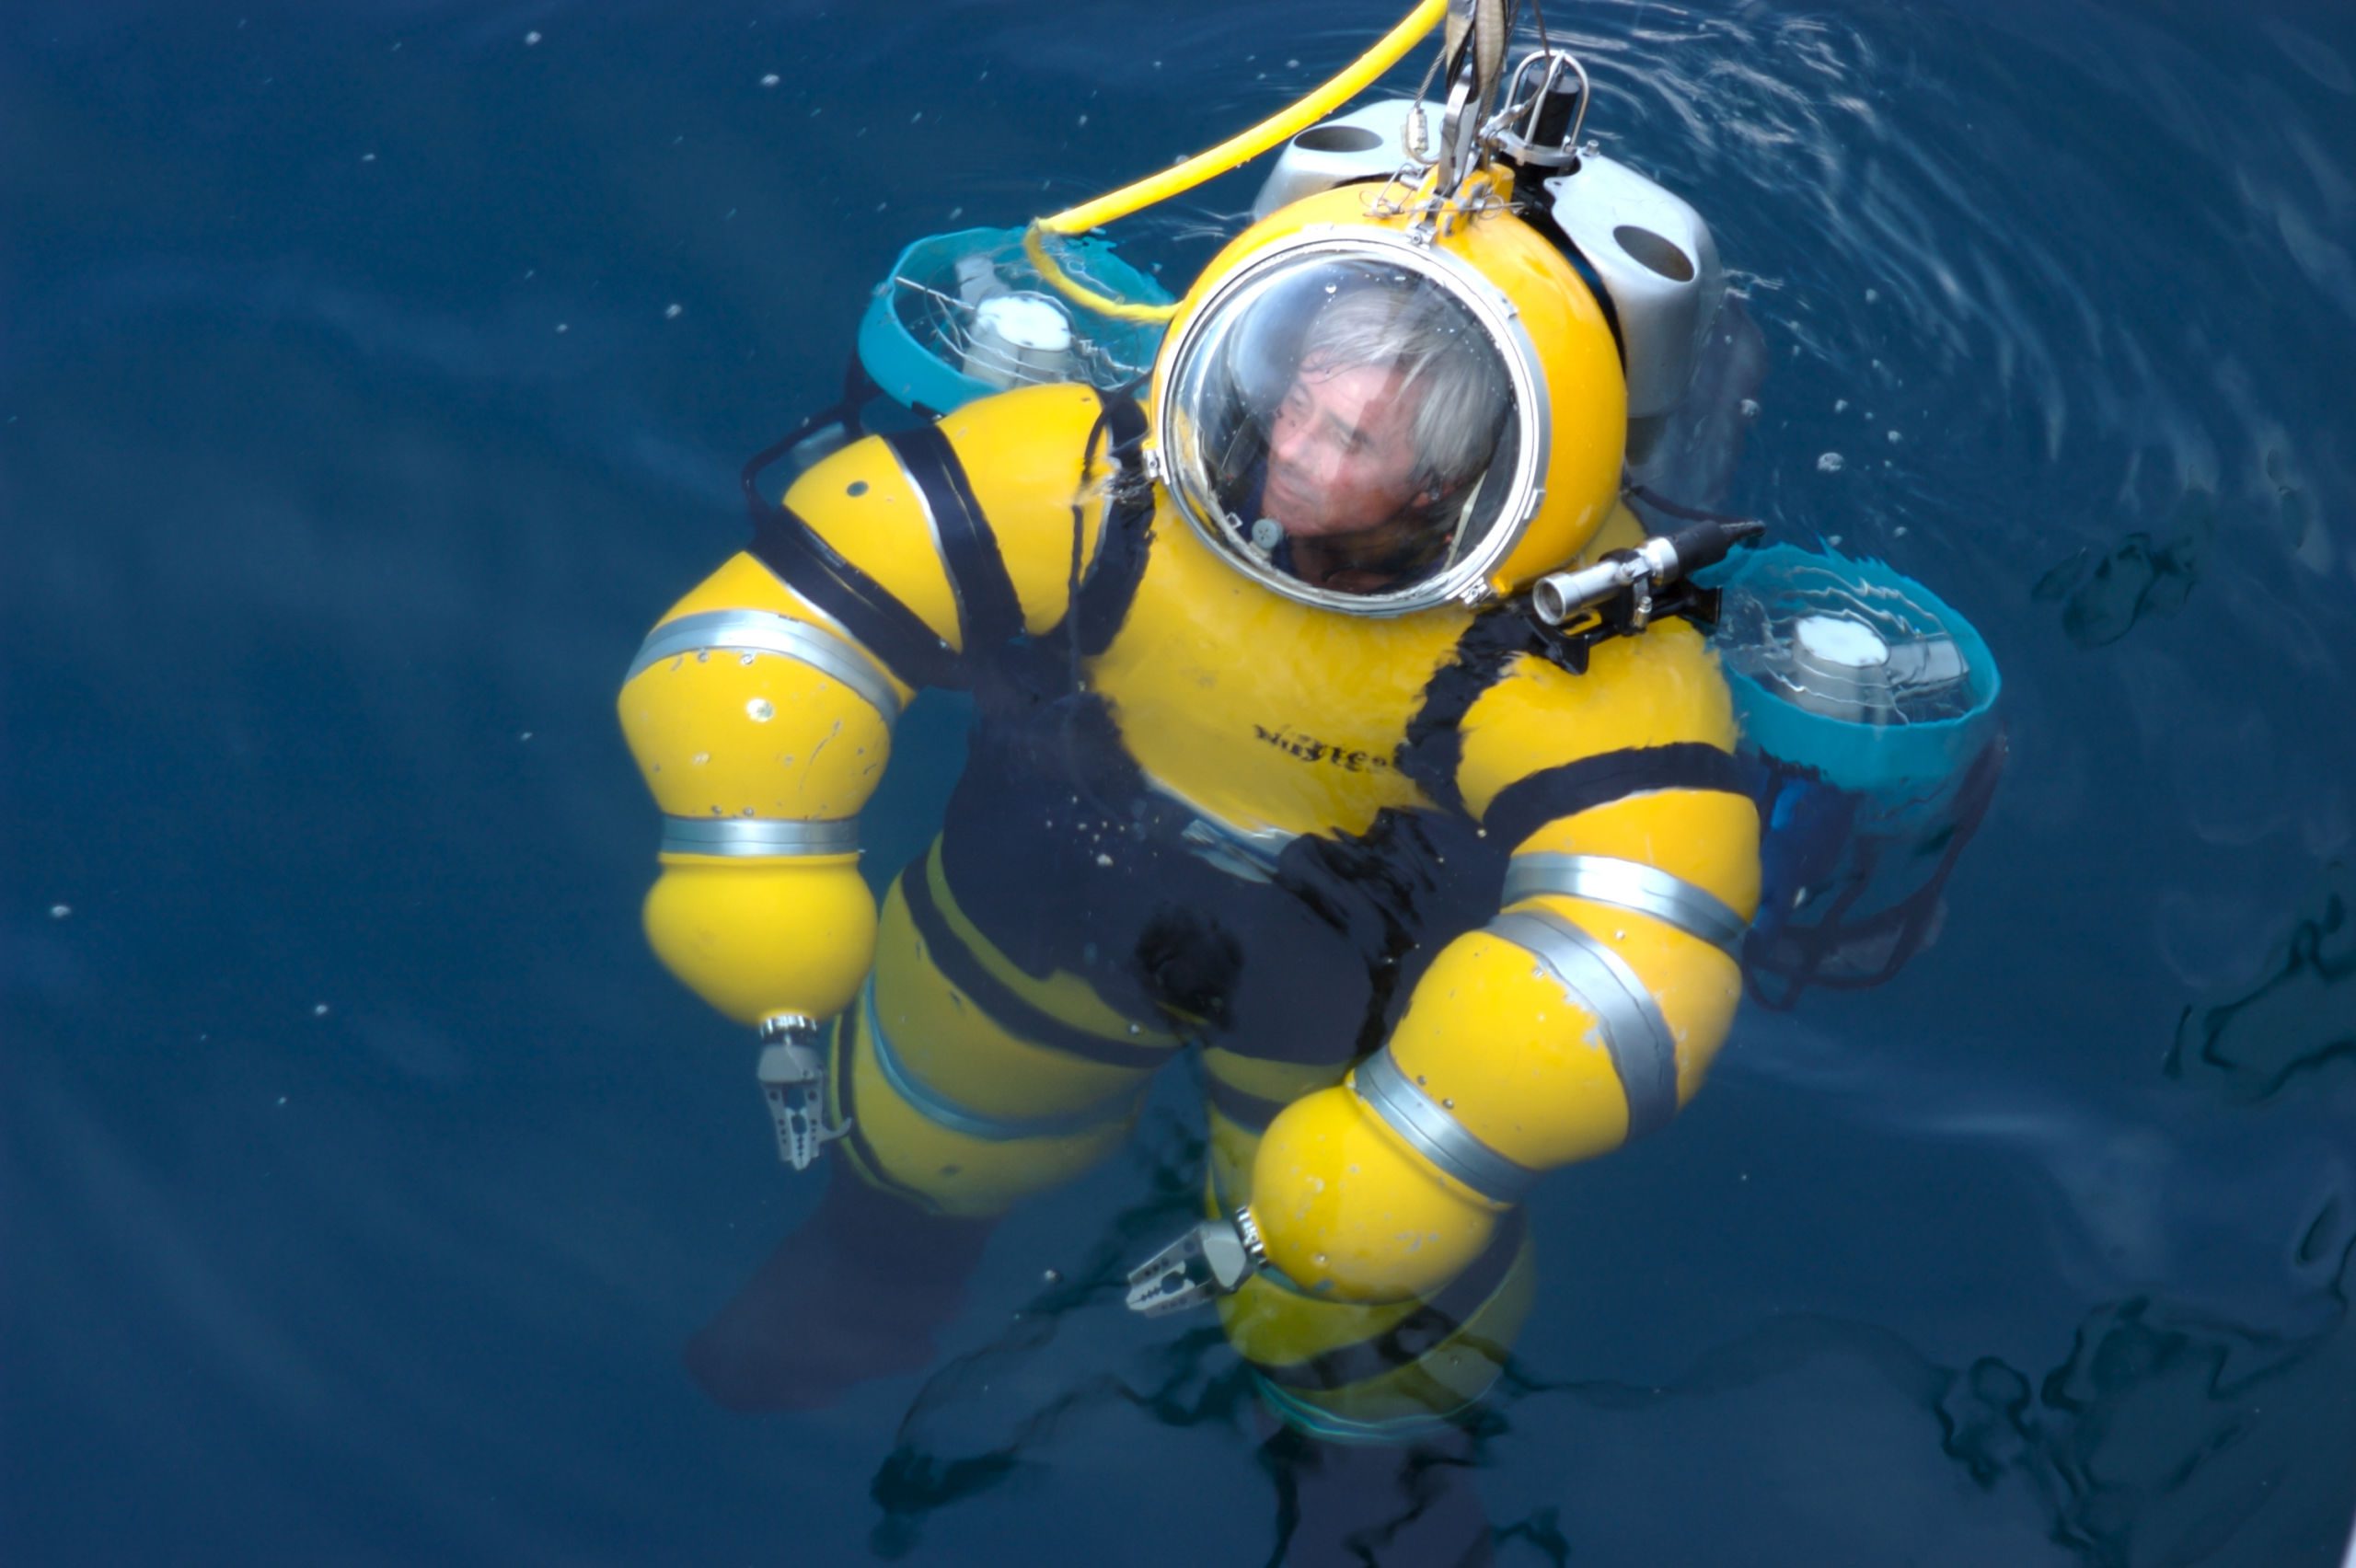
(1440, 352)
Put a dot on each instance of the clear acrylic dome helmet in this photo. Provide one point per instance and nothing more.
(1361, 420)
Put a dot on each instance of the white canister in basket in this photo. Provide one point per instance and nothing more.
(1019, 339)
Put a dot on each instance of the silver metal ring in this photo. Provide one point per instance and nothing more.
(1436, 1133)
(758, 837)
(1629, 885)
(942, 1111)
(763, 631)
(1643, 1053)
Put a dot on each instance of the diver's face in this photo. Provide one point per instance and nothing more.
(1340, 459)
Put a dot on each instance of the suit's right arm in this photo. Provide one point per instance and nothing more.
(760, 708)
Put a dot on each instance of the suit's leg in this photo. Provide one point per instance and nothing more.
(967, 1085)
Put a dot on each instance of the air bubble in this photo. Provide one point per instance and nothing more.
(1831, 463)
(759, 711)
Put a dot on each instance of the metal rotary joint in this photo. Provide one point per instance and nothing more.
(792, 1072)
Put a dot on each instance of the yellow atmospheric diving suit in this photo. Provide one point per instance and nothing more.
(1442, 912)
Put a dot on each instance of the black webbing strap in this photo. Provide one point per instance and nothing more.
(1434, 746)
(998, 1001)
(1678, 509)
(859, 390)
(1111, 584)
(989, 611)
(1522, 808)
(789, 546)
(1240, 1106)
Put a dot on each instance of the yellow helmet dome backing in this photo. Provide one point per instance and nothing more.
(1372, 410)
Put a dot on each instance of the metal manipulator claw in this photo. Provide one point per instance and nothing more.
(1211, 1259)
(793, 1083)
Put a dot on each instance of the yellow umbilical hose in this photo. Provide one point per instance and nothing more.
(1236, 150)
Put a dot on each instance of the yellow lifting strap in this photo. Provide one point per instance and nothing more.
(1232, 153)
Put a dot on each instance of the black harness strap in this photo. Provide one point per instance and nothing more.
(1023, 1020)
(1433, 747)
(987, 608)
(1678, 509)
(788, 545)
(1111, 584)
(1240, 1106)
(1525, 806)
(859, 390)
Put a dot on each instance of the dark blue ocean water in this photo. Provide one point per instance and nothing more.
(371, 375)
